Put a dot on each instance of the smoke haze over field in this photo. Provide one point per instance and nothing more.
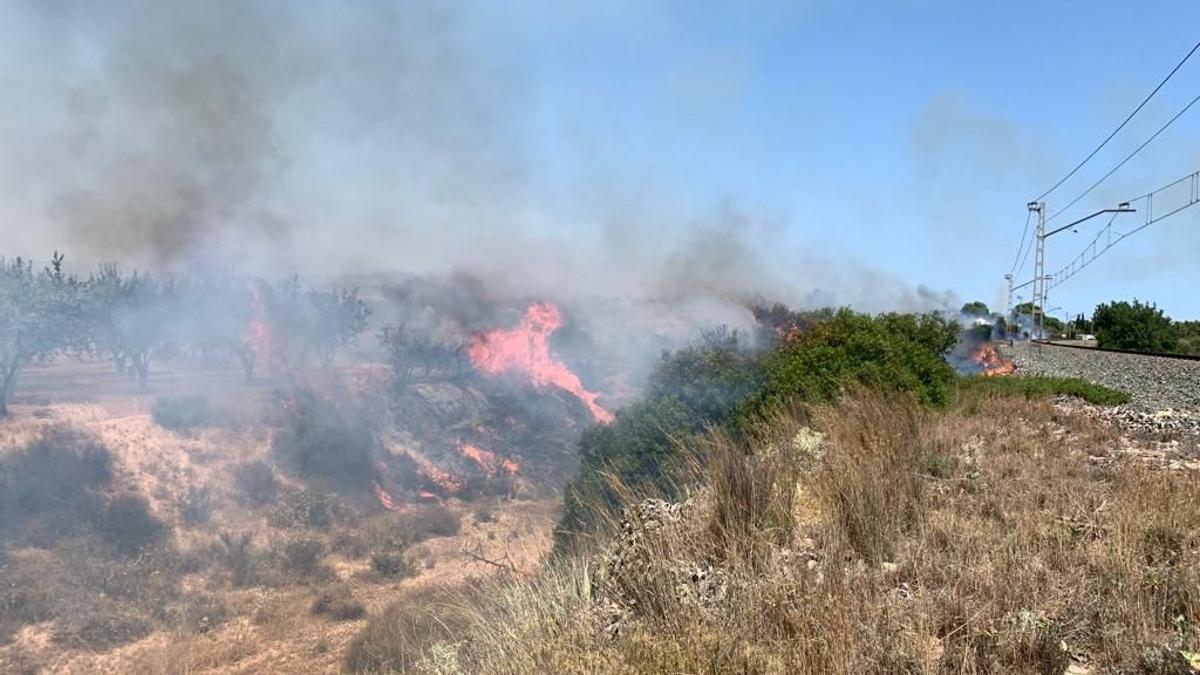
(349, 139)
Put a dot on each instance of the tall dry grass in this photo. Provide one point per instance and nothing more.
(975, 540)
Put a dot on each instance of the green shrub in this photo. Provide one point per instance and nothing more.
(639, 448)
(1134, 325)
(1032, 386)
(814, 357)
(890, 353)
(709, 379)
(182, 413)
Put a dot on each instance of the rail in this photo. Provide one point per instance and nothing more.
(1165, 355)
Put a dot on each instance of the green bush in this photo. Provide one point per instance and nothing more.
(813, 357)
(1039, 387)
(693, 388)
(1137, 326)
(890, 352)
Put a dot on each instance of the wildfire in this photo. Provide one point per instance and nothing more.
(385, 499)
(258, 334)
(487, 460)
(526, 349)
(991, 361)
(438, 477)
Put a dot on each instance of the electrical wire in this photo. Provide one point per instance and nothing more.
(1105, 177)
(1021, 248)
(1119, 127)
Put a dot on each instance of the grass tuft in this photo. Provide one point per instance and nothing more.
(1037, 386)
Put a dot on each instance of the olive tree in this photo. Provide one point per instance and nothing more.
(40, 315)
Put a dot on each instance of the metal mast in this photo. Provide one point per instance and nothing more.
(1039, 268)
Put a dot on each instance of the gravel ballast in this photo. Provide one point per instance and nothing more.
(1154, 382)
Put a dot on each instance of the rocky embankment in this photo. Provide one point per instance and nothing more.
(1165, 392)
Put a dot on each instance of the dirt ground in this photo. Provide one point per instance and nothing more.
(267, 629)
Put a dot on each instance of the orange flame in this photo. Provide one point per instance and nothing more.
(487, 460)
(993, 364)
(386, 500)
(526, 349)
(435, 475)
(258, 334)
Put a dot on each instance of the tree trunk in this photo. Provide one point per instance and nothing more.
(8, 386)
(246, 356)
(141, 368)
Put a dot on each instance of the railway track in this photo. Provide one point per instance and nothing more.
(1164, 355)
(1155, 381)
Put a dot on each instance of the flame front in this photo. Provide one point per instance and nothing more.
(258, 333)
(992, 363)
(487, 460)
(526, 349)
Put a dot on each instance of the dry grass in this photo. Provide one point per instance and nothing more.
(977, 540)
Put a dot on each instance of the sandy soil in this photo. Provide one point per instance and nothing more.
(271, 630)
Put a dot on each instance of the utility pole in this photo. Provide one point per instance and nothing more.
(1039, 265)
(1008, 307)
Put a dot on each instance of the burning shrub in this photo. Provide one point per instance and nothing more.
(416, 357)
(181, 413)
(257, 482)
(331, 442)
(58, 477)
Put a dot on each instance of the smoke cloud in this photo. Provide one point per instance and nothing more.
(352, 139)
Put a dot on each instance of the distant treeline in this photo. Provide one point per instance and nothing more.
(137, 319)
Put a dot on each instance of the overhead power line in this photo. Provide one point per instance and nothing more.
(1105, 177)
(1120, 126)
(1112, 237)
(1021, 248)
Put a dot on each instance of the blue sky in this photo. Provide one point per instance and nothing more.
(907, 135)
(853, 147)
